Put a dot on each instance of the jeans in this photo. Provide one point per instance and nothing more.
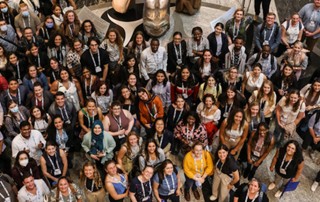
(206, 187)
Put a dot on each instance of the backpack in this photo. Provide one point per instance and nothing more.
(288, 24)
(258, 58)
(263, 26)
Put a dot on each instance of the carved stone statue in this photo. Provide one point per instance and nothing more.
(189, 7)
(121, 6)
(156, 18)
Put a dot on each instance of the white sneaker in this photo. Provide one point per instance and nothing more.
(278, 194)
(271, 186)
(213, 198)
(314, 186)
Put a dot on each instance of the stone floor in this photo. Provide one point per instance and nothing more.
(208, 13)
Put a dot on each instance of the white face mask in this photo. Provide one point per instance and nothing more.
(24, 162)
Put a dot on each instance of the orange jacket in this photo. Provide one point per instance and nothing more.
(150, 110)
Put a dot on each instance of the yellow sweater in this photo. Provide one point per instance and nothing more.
(191, 166)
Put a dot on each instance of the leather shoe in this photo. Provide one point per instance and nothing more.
(187, 195)
(196, 194)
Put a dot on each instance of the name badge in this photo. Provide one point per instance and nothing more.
(232, 139)
(179, 61)
(98, 69)
(312, 23)
(19, 81)
(68, 122)
(256, 153)
(283, 171)
(171, 192)
(225, 115)
(145, 198)
(57, 172)
(7, 199)
(185, 96)
(121, 136)
(265, 43)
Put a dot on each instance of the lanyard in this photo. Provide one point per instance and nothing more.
(92, 185)
(21, 174)
(123, 183)
(21, 116)
(161, 140)
(118, 121)
(18, 71)
(71, 26)
(188, 132)
(19, 96)
(60, 138)
(226, 108)
(285, 168)
(65, 111)
(174, 115)
(89, 122)
(143, 190)
(236, 30)
(196, 165)
(93, 60)
(265, 34)
(54, 76)
(173, 184)
(88, 90)
(221, 166)
(69, 195)
(46, 33)
(58, 167)
(5, 191)
(152, 115)
(255, 197)
(178, 53)
(24, 22)
(42, 102)
(39, 61)
(182, 86)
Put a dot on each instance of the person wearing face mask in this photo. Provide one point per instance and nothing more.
(47, 29)
(266, 59)
(8, 12)
(236, 57)
(26, 18)
(16, 114)
(7, 36)
(24, 164)
(28, 140)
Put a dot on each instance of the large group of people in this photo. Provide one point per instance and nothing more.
(126, 111)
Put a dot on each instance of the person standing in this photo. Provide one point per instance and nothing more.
(152, 59)
(310, 16)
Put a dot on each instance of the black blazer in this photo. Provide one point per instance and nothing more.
(213, 44)
(172, 57)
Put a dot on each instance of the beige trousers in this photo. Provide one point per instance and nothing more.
(219, 187)
(98, 196)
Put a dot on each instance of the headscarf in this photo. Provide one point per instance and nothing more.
(96, 140)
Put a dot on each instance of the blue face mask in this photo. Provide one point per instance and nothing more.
(25, 13)
(14, 109)
(4, 10)
(49, 25)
